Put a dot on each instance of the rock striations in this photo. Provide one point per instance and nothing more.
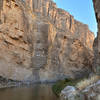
(42, 43)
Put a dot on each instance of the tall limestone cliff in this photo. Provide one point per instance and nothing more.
(40, 42)
(97, 40)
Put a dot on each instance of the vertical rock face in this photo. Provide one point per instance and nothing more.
(62, 20)
(40, 42)
(97, 40)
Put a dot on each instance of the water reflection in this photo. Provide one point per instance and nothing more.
(36, 92)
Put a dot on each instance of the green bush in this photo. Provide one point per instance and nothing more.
(60, 85)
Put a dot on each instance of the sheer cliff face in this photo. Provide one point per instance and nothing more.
(97, 40)
(39, 42)
(62, 20)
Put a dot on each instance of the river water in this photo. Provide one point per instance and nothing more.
(34, 92)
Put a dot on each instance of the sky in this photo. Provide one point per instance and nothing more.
(82, 10)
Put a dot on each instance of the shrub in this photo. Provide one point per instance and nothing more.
(61, 84)
(78, 83)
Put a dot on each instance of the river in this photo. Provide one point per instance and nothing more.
(34, 92)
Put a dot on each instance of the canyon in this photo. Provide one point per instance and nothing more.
(42, 43)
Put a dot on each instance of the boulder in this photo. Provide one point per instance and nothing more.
(70, 93)
(91, 92)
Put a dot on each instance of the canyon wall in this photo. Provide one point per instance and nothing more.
(42, 43)
(97, 40)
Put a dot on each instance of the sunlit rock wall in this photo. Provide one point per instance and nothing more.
(40, 42)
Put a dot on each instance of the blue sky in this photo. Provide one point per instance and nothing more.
(82, 10)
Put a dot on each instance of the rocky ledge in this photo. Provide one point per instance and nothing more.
(7, 83)
(91, 92)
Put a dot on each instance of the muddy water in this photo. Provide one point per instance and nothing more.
(35, 92)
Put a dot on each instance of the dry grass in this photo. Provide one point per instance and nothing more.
(86, 82)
